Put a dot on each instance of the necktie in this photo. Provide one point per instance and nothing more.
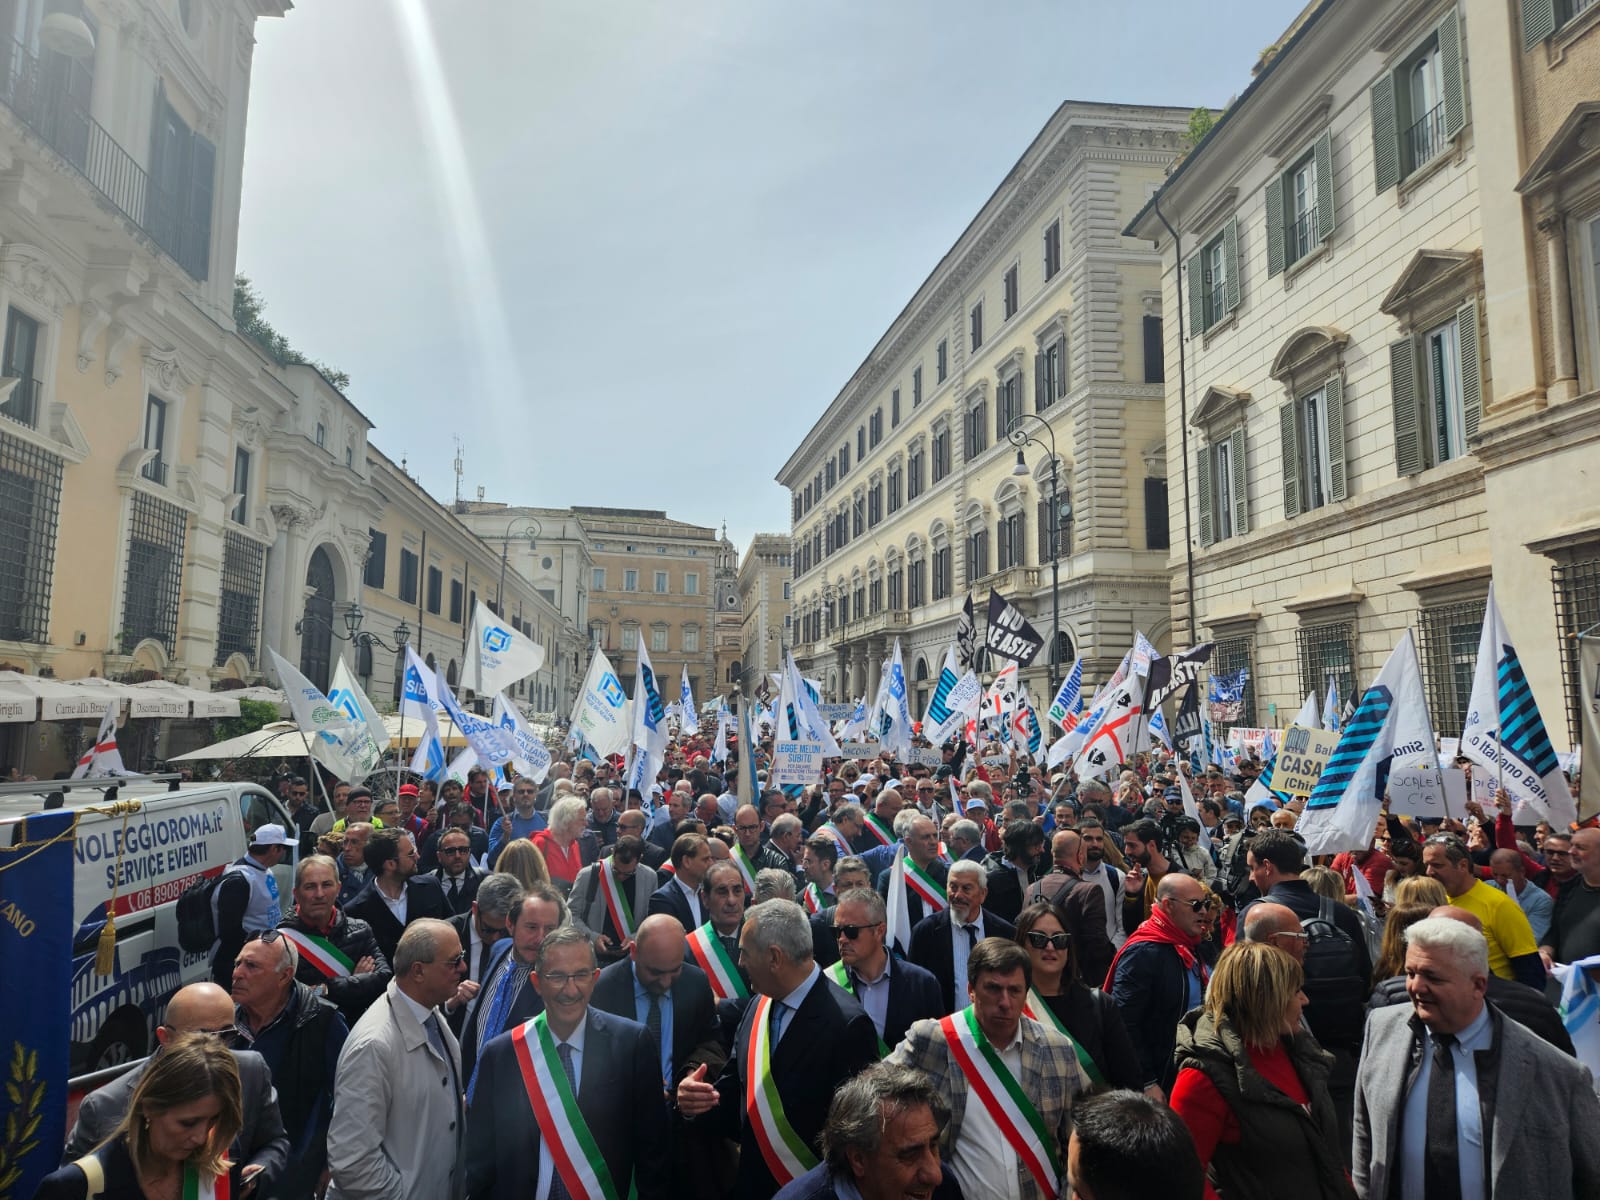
(483, 961)
(558, 1188)
(972, 935)
(455, 890)
(1442, 1170)
(779, 1008)
(435, 1038)
(652, 1019)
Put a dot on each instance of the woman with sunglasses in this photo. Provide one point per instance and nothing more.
(1252, 1083)
(1061, 1001)
(174, 1140)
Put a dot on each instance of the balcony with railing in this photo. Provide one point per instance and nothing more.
(155, 471)
(22, 403)
(1425, 138)
(39, 98)
(1305, 235)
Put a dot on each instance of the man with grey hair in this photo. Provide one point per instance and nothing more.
(894, 992)
(941, 943)
(399, 1074)
(881, 1140)
(925, 873)
(965, 840)
(774, 884)
(795, 1011)
(1452, 1099)
(782, 851)
(479, 929)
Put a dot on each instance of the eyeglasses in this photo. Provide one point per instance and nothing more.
(560, 979)
(455, 849)
(1040, 940)
(851, 932)
(227, 1032)
(1299, 937)
(265, 936)
(748, 828)
(1558, 853)
(1204, 904)
(455, 960)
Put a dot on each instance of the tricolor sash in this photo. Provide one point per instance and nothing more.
(841, 976)
(845, 849)
(1003, 1099)
(720, 969)
(562, 1128)
(321, 953)
(879, 830)
(746, 867)
(210, 1188)
(786, 1155)
(816, 899)
(617, 902)
(926, 887)
(1041, 1012)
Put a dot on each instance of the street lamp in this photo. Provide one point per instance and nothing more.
(533, 535)
(353, 617)
(1017, 434)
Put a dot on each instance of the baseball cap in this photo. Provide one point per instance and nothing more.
(271, 835)
(409, 789)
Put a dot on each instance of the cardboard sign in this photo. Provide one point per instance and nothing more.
(1483, 789)
(796, 763)
(835, 712)
(1305, 751)
(1426, 792)
(860, 749)
(922, 756)
(997, 760)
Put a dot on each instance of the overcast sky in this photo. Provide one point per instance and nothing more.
(629, 252)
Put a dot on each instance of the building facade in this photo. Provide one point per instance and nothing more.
(658, 579)
(1361, 328)
(765, 581)
(1041, 318)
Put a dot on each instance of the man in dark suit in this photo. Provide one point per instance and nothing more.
(940, 943)
(507, 997)
(922, 848)
(396, 895)
(680, 896)
(802, 1012)
(894, 992)
(481, 930)
(670, 998)
(613, 1072)
(631, 823)
(1012, 872)
(457, 877)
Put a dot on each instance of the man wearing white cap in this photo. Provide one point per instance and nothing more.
(245, 900)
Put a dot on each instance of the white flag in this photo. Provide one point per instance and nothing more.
(899, 915)
(529, 755)
(1110, 743)
(346, 694)
(335, 741)
(497, 655)
(601, 711)
(1504, 732)
(688, 718)
(1193, 809)
(897, 706)
(103, 758)
(1307, 716)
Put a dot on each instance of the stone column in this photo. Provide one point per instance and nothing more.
(1564, 386)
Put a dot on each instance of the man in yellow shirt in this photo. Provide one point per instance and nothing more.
(1513, 953)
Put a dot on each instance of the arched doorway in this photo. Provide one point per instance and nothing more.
(316, 628)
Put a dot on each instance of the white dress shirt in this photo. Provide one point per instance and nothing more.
(963, 947)
(694, 902)
(980, 1156)
(397, 907)
(547, 1162)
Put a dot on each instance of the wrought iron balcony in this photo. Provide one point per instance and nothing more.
(155, 471)
(1425, 138)
(38, 96)
(22, 405)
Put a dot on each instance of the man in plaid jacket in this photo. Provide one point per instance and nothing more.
(1008, 1079)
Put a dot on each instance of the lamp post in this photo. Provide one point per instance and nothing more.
(533, 535)
(353, 618)
(1018, 435)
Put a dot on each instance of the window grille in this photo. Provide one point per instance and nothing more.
(1449, 635)
(30, 502)
(238, 615)
(1227, 656)
(1324, 650)
(156, 532)
(1577, 587)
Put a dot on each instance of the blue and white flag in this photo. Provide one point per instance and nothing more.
(1068, 702)
(491, 743)
(688, 718)
(529, 755)
(1391, 727)
(1143, 653)
(1330, 707)
(856, 723)
(418, 702)
(601, 712)
(897, 706)
(1158, 729)
(336, 741)
(347, 696)
(1268, 746)
(1504, 732)
(496, 654)
(649, 738)
(1229, 689)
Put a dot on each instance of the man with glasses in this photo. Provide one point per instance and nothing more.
(615, 889)
(631, 823)
(1513, 952)
(930, 798)
(1558, 863)
(300, 1035)
(505, 1000)
(894, 992)
(262, 1146)
(353, 874)
(1575, 927)
(339, 956)
(1276, 925)
(397, 1126)
(457, 877)
(357, 807)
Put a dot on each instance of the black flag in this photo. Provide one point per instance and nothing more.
(1009, 634)
(966, 634)
(1187, 726)
(1169, 674)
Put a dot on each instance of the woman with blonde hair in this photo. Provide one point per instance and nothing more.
(1252, 1084)
(174, 1140)
(1392, 954)
(1421, 889)
(522, 859)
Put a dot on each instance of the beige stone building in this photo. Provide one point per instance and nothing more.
(1042, 317)
(1374, 409)
(661, 580)
(765, 580)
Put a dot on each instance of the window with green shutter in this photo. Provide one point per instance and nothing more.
(1311, 430)
(1300, 206)
(1436, 381)
(1420, 105)
(1214, 279)
(1220, 486)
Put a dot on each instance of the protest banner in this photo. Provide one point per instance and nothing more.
(1432, 793)
(1243, 737)
(1305, 751)
(859, 750)
(796, 763)
(835, 712)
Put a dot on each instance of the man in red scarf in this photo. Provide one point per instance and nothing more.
(1157, 976)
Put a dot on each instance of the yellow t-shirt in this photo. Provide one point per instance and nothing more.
(1505, 925)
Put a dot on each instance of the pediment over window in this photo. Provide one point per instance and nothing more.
(1311, 346)
(1218, 407)
(1575, 144)
(1429, 274)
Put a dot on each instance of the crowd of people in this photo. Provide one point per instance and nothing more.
(909, 980)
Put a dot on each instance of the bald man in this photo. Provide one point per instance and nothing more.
(1518, 1001)
(672, 998)
(261, 1150)
(1276, 925)
(1084, 903)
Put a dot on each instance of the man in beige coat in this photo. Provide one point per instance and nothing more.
(400, 1074)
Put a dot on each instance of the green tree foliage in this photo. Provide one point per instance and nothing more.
(253, 714)
(1200, 122)
(249, 314)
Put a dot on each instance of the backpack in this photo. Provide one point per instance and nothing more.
(1333, 967)
(1233, 868)
(197, 914)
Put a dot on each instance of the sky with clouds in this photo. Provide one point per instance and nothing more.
(629, 252)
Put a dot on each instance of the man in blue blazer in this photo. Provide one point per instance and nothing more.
(680, 896)
(506, 996)
(894, 992)
(615, 1076)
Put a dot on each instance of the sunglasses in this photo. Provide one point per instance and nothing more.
(455, 849)
(851, 932)
(1040, 940)
(265, 936)
(1204, 904)
(456, 960)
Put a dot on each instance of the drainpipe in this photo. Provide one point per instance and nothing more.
(1183, 413)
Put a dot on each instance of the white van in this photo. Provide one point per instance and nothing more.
(178, 834)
